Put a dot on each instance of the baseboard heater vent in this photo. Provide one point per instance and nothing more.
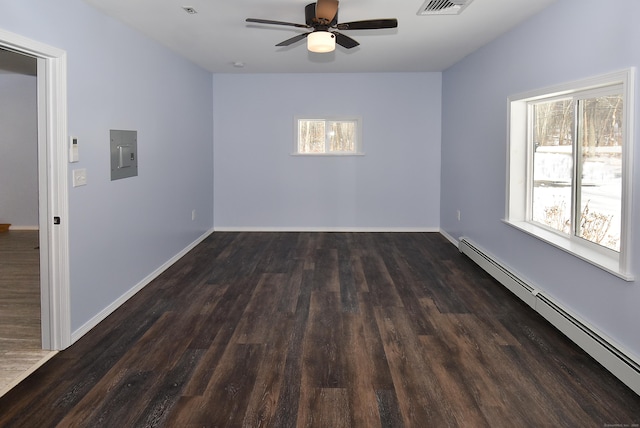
(603, 349)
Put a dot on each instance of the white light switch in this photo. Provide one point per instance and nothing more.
(79, 177)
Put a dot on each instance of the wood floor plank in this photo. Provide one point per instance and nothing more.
(154, 356)
(168, 391)
(325, 407)
(121, 405)
(419, 396)
(260, 310)
(326, 271)
(460, 398)
(216, 333)
(379, 282)
(357, 270)
(348, 288)
(323, 359)
(263, 404)
(360, 372)
(286, 413)
(381, 378)
(228, 393)
(489, 395)
(289, 298)
(319, 329)
(389, 410)
(410, 288)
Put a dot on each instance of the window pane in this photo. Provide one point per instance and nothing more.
(600, 161)
(335, 136)
(342, 137)
(311, 136)
(552, 134)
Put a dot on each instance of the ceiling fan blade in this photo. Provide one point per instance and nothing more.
(268, 21)
(293, 39)
(371, 24)
(326, 9)
(345, 41)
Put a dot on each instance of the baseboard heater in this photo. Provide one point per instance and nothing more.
(600, 347)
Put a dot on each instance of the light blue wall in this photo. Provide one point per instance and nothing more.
(571, 40)
(121, 231)
(18, 150)
(258, 184)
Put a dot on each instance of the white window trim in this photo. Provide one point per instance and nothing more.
(518, 168)
(358, 142)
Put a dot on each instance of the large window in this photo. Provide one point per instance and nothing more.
(569, 168)
(324, 136)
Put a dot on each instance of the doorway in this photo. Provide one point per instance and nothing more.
(20, 324)
(52, 187)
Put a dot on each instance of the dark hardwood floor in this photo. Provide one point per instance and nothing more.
(322, 330)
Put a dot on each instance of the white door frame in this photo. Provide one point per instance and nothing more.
(53, 187)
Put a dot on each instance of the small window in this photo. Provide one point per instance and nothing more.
(569, 175)
(325, 136)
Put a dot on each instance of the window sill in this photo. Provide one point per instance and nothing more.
(599, 259)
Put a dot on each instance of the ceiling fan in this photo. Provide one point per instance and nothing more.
(322, 18)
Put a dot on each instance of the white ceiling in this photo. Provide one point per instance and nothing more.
(218, 36)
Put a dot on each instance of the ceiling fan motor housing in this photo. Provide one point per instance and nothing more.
(310, 16)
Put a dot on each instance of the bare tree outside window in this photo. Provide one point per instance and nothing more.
(577, 167)
(322, 136)
(311, 137)
(342, 137)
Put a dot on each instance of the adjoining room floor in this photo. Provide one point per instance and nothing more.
(20, 342)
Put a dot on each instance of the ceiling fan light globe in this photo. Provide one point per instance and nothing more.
(321, 42)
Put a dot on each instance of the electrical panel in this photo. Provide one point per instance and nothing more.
(124, 154)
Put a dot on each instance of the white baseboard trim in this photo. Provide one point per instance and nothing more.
(84, 329)
(610, 354)
(325, 229)
(13, 227)
(450, 238)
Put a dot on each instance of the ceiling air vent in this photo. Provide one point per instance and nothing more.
(443, 7)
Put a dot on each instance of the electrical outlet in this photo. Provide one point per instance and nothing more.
(193, 215)
(458, 214)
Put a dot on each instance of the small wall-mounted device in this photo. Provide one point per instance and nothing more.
(79, 177)
(124, 154)
(73, 149)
